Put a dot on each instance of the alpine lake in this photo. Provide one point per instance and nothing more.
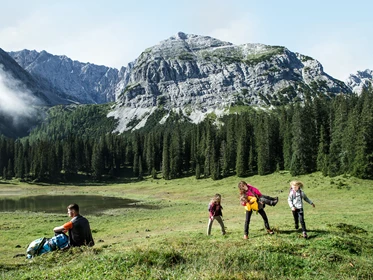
(90, 204)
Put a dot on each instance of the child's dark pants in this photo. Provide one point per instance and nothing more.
(299, 217)
(248, 217)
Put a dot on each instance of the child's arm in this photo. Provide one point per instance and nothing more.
(290, 201)
(212, 211)
(308, 200)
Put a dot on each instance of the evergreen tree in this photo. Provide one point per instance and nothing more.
(322, 154)
(140, 176)
(175, 153)
(98, 167)
(242, 152)
(338, 128)
(304, 143)
(363, 163)
(19, 168)
(53, 164)
(286, 116)
(69, 157)
(150, 152)
(166, 157)
(224, 159)
(137, 151)
(266, 144)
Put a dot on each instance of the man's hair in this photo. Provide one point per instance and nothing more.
(74, 206)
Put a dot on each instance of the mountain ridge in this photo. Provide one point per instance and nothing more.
(200, 75)
(192, 75)
(90, 83)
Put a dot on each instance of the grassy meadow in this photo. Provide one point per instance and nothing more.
(164, 236)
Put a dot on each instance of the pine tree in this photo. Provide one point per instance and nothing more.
(304, 145)
(285, 115)
(267, 144)
(19, 168)
(166, 157)
(175, 153)
(98, 159)
(322, 154)
(338, 128)
(242, 150)
(224, 159)
(363, 163)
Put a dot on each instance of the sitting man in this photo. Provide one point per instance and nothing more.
(79, 230)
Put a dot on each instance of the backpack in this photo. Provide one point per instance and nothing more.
(293, 192)
(35, 246)
(44, 245)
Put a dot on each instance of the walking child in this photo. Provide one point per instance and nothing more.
(295, 200)
(215, 211)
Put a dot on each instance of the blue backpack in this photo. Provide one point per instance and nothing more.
(44, 245)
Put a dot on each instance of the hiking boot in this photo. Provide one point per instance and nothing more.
(305, 234)
(245, 236)
(270, 231)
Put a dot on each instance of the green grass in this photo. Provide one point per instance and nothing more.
(170, 242)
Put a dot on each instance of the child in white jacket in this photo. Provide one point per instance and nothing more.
(295, 200)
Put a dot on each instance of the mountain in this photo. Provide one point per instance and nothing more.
(192, 75)
(41, 91)
(360, 80)
(22, 98)
(199, 75)
(88, 83)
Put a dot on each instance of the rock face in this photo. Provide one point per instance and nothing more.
(88, 83)
(191, 74)
(198, 75)
(362, 79)
(40, 92)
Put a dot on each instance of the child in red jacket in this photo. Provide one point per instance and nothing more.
(247, 191)
(215, 211)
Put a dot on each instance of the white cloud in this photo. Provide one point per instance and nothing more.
(15, 101)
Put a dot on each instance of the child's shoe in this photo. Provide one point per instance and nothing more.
(305, 234)
(270, 231)
(245, 236)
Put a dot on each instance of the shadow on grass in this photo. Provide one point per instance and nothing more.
(311, 233)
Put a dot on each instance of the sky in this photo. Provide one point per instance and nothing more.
(115, 32)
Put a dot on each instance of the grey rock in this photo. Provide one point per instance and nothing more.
(87, 83)
(197, 75)
(362, 79)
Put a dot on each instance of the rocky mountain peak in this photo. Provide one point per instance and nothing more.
(197, 75)
(362, 79)
(90, 83)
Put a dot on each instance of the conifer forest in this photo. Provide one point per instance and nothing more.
(331, 135)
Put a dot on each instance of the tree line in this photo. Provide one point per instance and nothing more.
(334, 136)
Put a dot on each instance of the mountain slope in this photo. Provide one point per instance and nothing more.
(198, 75)
(37, 89)
(88, 83)
(22, 98)
(360, 80)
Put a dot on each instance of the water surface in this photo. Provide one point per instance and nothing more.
(88, 204)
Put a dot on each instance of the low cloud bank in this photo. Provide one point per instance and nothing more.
(16, 102)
